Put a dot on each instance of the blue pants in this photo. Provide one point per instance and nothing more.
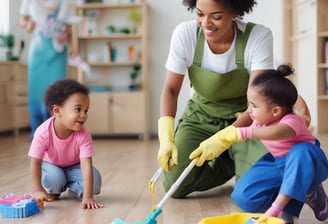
(298, 173)
(45, 66)
(57, 179)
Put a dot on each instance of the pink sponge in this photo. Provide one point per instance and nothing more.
(13, 206)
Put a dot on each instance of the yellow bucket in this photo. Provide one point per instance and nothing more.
(238, 218)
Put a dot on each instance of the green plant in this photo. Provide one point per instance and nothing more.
(136, 18)
(133, 75)
(125, 30)
(7, 41)
(136, 69)
(111, 29)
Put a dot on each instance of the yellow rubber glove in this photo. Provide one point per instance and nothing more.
(168, 153)
(214, 146)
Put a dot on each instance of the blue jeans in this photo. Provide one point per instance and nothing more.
(57, 179)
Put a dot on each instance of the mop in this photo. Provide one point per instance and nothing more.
(151, 219)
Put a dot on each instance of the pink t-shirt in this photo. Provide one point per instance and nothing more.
(280, 148)
(61, 152)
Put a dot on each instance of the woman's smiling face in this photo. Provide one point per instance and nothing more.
(215, 20)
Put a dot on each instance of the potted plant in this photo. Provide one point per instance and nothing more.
(136, 18)
(134, 75)
(8, 41)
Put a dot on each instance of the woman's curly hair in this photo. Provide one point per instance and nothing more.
(241, 7)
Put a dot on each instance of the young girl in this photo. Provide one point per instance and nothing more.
(291, 174)
(61, 150)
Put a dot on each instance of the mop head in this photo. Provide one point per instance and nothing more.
(12, 206)
(151, 219)
(119, 221)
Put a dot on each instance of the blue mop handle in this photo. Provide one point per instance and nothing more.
(176, 185)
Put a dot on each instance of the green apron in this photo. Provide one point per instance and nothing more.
(213, 106)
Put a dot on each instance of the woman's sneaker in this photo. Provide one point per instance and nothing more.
(319, 203)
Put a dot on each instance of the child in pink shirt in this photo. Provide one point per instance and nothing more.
(61, 150)
(280, 182)
(290, 175)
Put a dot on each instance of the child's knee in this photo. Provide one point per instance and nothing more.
(54, 183)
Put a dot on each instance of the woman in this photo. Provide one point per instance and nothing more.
(47, 58)
(222, 54)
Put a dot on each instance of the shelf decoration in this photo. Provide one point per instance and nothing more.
(135, 17)
(326, 80)
(325, 51)
(133, 76)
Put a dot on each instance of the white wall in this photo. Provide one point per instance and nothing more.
(270, 14)
(164, 16)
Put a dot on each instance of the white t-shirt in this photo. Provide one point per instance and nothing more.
(37, 10)
(258, 53)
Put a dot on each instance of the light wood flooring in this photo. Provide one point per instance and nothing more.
(126, 166)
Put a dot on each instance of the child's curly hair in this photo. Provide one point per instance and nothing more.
(60, 91)
(241, 7)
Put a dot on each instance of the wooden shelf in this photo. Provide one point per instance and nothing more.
(109, 36)
(116, 109)
(103, 6)
(323, 34)
(306, 29)
(323, 65)
(109, 64)
(323, 97)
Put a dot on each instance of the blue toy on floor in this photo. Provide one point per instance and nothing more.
(12, 206)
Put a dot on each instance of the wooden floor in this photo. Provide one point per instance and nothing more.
(126, 166)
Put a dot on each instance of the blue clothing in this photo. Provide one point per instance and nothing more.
(298, 173)
(45, 66)
(57, 179)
